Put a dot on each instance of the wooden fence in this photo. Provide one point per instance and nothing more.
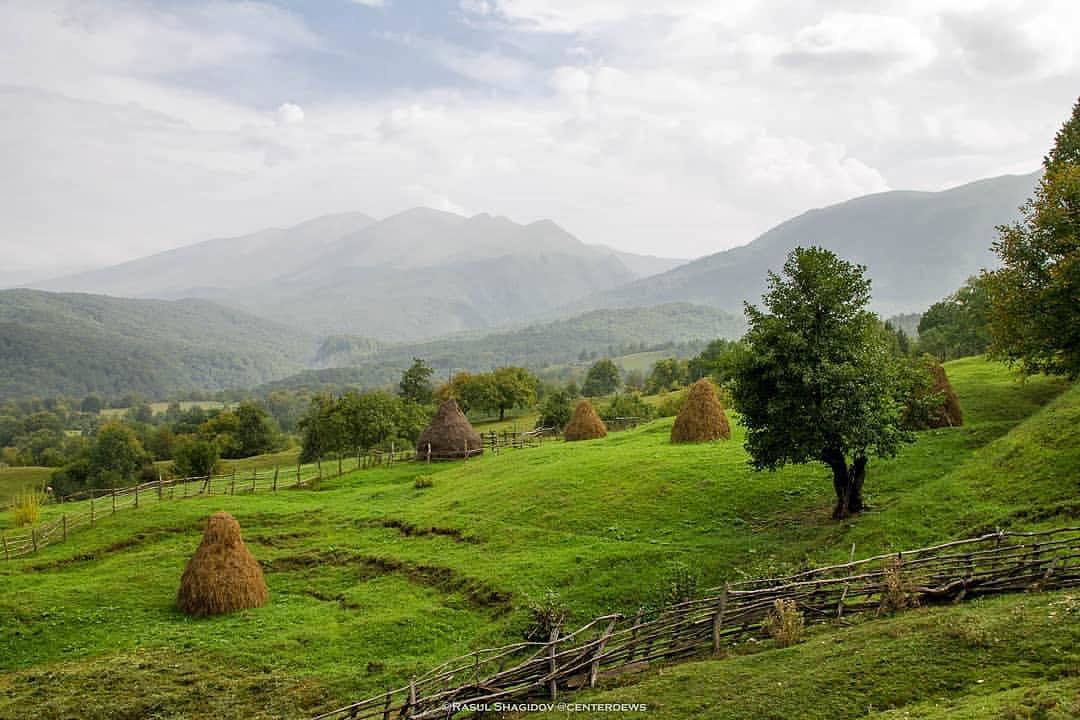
(89, 507)
(996, 563)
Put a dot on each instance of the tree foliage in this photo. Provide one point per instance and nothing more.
(1035, 295)
(957, 326)
(416, 384)
(601, 379)
(817, 381)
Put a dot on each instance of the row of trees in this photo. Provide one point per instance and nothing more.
(359, 421)
(494, 392)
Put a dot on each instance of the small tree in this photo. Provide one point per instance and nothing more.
(512, 387)
(555, 410)
(117, 455)
(817, 382)
(194, 457)
(602, 379)
(256, 431)
(667, 374)
(321, 429)
(415, 383)
(1035, 295)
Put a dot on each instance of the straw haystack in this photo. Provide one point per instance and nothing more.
(702, 417)
(585, 423)
(222, 576)
(450, 435)
(949, 414)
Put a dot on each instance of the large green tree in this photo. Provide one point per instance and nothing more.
(415, 382)
(1035, 295)
(817, 381)
(958, 325)
(511, 387)
(601, 379)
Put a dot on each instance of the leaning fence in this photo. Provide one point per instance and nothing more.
(990, 564)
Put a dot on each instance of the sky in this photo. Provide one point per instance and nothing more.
(678, 128)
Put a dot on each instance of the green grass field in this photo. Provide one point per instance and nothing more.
(14, 479)
(373, 580)
(159, 408)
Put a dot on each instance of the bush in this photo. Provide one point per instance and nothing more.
(423, 481)
(629, 405)
(784, 623)
(27, 507)
(194, 457)
(895, 593)
(678, 584)
(671, 403)
(546, 613)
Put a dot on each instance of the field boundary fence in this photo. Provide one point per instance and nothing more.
(608, 645)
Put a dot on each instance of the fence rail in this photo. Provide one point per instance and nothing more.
(990, 564)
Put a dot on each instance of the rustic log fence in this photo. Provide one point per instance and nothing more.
(611, 644)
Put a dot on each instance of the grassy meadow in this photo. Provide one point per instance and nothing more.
(15, 479)
(373, 580)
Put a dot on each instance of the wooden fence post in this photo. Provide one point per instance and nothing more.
(33, 537)
(594, 668)
(718, 620)
(160, 489)
(412, 698)
(7, 554)
(232, 485)
(297, 474)
(634, 635)
(429, 453)
(553, 683)
(254, 477)
(467, 460)
(114, 501)
(63, 520)
(391, 454)
(275, 477)
(136, 495)
(91, 509)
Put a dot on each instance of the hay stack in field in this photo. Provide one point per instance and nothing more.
(585, 424)
(949, 414)
(450, 435)
(222, 576)
(702, 417)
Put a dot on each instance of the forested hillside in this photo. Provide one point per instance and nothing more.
(75, 344)
(359, 361)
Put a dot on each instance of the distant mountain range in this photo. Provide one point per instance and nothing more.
(917, 246)
(75, 344)
(419, 274)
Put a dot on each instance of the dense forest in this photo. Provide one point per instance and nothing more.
(72, 344)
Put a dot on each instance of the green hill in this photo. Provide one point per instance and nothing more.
(916, 246)
(359, 361)
(373, 580)
(73, 344)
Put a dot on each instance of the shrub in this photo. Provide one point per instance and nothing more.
(678, 584)
(784, 623)
(27, 507)
(423, 481)
(895, 592)
(671, 403)
(629, 405)
(546, 613)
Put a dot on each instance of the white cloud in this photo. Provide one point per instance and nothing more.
(682, 128)
(290, 114)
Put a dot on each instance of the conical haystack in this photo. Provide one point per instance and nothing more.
(450, 435)
(702, 417)
(585, 423)
(949, 414)
(222, 576)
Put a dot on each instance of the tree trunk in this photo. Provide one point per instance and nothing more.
(502, 413)
(847, 483)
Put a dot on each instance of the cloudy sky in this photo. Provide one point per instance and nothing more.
(677, 128)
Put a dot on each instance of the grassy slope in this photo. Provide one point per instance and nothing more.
(14, 479)
(357, 603)
(1009, 657)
